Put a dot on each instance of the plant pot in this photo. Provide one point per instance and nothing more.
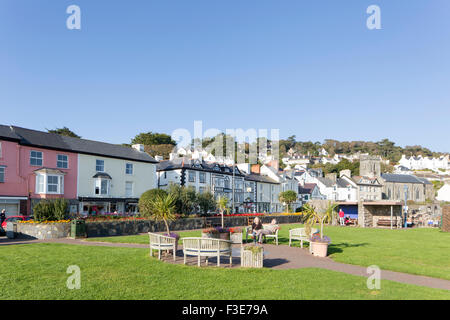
(236, 237)
(224, 235)
(210, 235)
(319, 249)
(251, 259)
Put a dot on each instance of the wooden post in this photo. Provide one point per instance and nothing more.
(392, 213)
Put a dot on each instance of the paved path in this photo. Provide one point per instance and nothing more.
(278, 257)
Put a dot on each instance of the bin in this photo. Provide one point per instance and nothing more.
(78, 229)
(11, 230)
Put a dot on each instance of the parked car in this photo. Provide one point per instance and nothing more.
(12, 219)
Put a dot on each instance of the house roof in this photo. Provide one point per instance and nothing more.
(184, 163)
(259, 178)
(42, 139)
(307, 188)
(327, 182)
(401, 178)
(6, 132)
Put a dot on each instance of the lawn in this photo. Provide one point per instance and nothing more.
(38, 271)
(417, 251)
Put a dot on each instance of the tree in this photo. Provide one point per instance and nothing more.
(64, 132)
(206, 202)
(150, 139)
(287, 197)
(147, 196)
(185, 198)
(161, 207)
(222, 204)
(163, 150)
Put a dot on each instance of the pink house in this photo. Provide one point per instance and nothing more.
(32, 167)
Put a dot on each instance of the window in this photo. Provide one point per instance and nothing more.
(102, 186)
(2, 174)
(62, 161)
(49, 184)
(129, 189)
(36, 158)
(201, 189)
(191, 176)
(52, 184)
(129, 168)
(100, 165)
(202, 177)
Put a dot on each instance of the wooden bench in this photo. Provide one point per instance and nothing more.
(162, 243)
(386, 223)
(248, 233)
(207, 247)
(300, 234)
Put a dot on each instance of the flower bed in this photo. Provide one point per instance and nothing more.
(240, 215)
(43, 222)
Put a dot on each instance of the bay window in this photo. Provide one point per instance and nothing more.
(49, 183)
(102, 187)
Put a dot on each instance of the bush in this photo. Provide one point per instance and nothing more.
(146, 198)
(54, 210)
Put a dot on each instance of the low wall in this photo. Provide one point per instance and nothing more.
(118, 228)
(42, 231)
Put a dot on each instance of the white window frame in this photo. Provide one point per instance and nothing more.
(2, 174)
(127, 168)
(58, 161)
(97, 165)
(42, 158)
(128, 183)
(42, 184)
(202, 174)
(98, 184)
(191, 174)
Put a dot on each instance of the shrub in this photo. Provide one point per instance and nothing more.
(146, 199)
(50, 210)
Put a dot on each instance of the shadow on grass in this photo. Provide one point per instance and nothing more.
(340, 247)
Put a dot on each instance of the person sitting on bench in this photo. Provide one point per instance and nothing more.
(269, 229)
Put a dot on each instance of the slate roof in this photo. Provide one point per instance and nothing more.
(401, 178)
(307, 188)
(184, 163)
(7, 133)
(327, 182)
(259, 178)
(42, 139)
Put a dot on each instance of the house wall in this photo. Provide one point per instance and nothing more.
(143, 177)
(395, 191)
(20, 178)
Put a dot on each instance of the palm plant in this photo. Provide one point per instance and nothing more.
(222, 204)
(331, 212)
(163, 208)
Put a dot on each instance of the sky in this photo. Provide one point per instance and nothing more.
(308, 68)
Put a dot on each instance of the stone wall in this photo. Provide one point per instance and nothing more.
(42, 231)
(116, 228)
(446, 219)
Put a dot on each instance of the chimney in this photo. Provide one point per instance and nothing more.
(256, 168)
(159, 158)
(139, 147)
(331, 176)
(347, 173)
(274, 164)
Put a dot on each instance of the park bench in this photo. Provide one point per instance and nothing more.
(207, 247)
(248, 233)
(162, 243)
(300, 234)
(386, 223)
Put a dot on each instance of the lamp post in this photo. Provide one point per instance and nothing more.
(405, 188)
(232, 208)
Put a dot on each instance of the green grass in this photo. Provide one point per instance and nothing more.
(416, 251)
(38, 271)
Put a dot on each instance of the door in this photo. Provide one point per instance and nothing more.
(12, 209)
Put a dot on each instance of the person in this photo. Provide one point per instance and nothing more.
(2, 216)
(347, 220)
(270, 229)
(256, 226)
(341, 217)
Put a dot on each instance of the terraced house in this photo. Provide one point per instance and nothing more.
(93, 176)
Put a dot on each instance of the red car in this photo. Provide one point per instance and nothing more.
(13, 219)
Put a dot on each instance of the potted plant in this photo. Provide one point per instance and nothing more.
(317, 213)
(224, 233)
(252, 257)
(236, 235)
(210, 233)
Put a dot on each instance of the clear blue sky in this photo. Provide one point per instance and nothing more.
(309, 68)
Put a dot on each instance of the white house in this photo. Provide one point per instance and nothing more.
(111, 178)
(444, 193)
